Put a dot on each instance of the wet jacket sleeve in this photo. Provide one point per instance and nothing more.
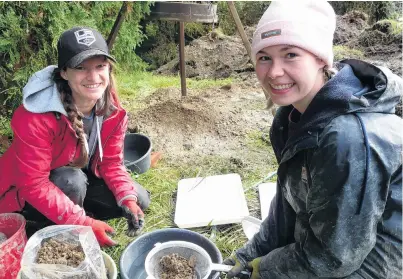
(112, 169)
(276, 230)
(343, 210)
(33, 144)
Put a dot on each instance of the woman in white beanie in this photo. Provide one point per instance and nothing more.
(338, 208)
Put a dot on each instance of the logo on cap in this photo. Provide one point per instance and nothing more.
(85, 37)
(270, 33)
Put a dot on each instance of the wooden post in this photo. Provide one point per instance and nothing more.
(184, 12)
(182, 56)
(240, 29)
(246, 43)
(116, 26)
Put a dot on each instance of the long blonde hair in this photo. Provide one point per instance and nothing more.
(105, 106)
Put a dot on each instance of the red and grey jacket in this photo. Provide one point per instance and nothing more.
(43, 142)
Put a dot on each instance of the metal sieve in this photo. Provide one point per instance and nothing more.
(203, 264)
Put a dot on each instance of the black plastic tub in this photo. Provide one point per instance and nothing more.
(137, 153)
(133, 257)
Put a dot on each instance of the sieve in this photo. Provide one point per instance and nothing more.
(203, 265)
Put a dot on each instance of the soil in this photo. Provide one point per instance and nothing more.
(174, 266)
(207, 122)
(56, 252)
(216, 120)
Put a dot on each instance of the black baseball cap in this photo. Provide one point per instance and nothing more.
(80, 43)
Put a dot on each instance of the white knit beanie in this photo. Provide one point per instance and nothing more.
(308, 24)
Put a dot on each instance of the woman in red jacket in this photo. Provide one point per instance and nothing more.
(66, 158)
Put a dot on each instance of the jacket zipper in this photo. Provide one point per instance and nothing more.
(104, 143)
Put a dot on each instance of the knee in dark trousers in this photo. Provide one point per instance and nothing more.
(143, 197)
(72, 181)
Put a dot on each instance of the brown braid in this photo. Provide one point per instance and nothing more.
(75, 117)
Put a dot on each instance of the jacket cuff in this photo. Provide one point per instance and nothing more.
(128, 197)
(77, 219)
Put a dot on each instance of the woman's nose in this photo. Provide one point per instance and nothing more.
(275, 70)
(91, 74)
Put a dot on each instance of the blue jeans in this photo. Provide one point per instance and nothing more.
(88, 191)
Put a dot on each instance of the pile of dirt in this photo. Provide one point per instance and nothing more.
(378, 43)
(174, 266)
(212, 57)
(214, 121)
(382, 47)
(349, 27)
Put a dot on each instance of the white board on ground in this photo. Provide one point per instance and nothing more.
(216, 200)
(267, 191)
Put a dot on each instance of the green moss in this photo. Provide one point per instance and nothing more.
(396, 26)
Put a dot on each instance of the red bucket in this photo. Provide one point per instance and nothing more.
(13, 226)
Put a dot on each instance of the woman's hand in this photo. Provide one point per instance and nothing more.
(100, 230)
(134, 216)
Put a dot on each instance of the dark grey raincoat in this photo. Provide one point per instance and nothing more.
(338, 208)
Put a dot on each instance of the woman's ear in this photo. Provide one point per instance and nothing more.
(321, 62)
(63, 74)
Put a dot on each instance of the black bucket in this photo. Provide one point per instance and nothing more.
(137, 153)
(133, 257)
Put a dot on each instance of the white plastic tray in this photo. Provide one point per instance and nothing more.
(217, 200)
(267, 191)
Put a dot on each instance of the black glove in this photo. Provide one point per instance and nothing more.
(134, 216)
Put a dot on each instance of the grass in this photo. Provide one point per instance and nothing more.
(162, 180)
(162, 183)
(141, 84)
(343, 52)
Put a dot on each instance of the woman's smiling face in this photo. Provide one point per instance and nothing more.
(290, 74)
(89, 80)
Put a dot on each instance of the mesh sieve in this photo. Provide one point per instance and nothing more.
(184, 249)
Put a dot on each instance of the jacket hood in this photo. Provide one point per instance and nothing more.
(358, 87)
(40, 94)
(365, 87)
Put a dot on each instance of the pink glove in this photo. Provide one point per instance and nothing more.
(100, 230)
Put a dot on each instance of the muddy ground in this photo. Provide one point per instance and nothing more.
(217, 120)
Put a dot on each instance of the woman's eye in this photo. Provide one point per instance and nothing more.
(80, 68)
(291, 55)
(264, 58)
